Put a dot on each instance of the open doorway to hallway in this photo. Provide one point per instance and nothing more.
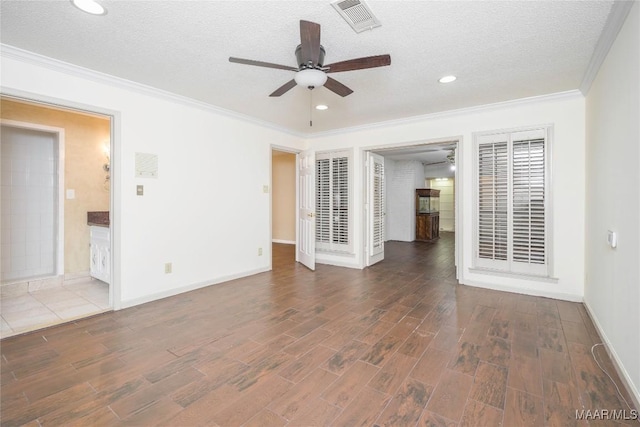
(283, 206)
(55, 170)
(428, 168)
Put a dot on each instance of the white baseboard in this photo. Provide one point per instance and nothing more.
(286, 242)
(518, 290)
(191, 287)
(617, 363)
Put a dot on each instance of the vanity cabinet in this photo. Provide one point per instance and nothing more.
(100, 253)
(427, 214)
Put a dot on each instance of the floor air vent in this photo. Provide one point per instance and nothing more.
(357, 14)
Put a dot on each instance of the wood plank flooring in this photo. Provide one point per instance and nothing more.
(397, 344)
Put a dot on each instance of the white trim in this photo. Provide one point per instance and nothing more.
(99, 77)
(612, 27)
(58, 133)
(617, 363)
(524, 291)
(570, 94)
(284, 242)
(512, 275)
(191, 287)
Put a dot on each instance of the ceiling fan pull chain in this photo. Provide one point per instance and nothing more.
(310, 107)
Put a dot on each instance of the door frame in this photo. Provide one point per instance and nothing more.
(115, 291)
(59, 147)
(458, 139)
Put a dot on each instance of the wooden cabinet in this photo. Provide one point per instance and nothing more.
(100, 253)
(427, 214)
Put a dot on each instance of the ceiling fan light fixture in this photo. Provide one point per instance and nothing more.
(310, 77)
(447, 79)
(90, 6)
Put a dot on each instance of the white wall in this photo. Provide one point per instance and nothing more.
(447, 201)
(206, 213)
(402, 179)
(564, 111)
(612, 290)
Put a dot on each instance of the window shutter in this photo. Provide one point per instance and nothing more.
(323, 199)
(333, 230)
(529, 245)
(493, 190)
(340, 181)
(512, 202)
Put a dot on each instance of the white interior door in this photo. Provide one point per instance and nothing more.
(306, 244)
(375, 208)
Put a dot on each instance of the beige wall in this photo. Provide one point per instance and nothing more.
(283, 178)
(85, 138)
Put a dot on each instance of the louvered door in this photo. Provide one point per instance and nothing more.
(376, 208)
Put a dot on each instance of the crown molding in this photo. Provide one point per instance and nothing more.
(615, 21)
(11, 52)
(570, 94)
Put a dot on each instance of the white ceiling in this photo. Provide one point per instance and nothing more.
(499, 50)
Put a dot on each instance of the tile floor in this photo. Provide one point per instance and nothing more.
(45, 307)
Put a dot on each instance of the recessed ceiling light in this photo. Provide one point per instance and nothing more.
(447, 79)
(322, 107)
(90, 6)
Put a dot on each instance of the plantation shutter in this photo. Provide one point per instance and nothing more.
(332, 202)
(493, 200)
(528, 202)
(511, 202)
(323, 199)
(378, 206)
(340, 180)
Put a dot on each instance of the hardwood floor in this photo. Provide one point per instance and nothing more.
(400, 343)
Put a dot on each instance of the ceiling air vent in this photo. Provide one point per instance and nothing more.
(357, 14)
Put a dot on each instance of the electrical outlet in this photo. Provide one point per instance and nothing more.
(167, 268)
(259, 251)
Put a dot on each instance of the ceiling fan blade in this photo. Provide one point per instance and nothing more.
(360, 63)
(310, 42)
(337, 87)
(284, 88)
(261, 64)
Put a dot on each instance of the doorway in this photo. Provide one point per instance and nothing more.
(283, 206)
(406, 168)
(66, 176)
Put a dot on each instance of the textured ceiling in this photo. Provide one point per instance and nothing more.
(498, 50)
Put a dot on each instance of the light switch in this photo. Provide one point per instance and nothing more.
(140, 190)
(71, 193)
(612, 238)
(265, 188)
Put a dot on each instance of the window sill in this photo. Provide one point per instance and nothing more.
(521, 276)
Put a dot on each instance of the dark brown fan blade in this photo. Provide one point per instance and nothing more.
(337, 87)
(284, 88)
(310, 42)
(261, 64)
(360, 63)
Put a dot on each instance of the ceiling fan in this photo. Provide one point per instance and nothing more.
(311, 71)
